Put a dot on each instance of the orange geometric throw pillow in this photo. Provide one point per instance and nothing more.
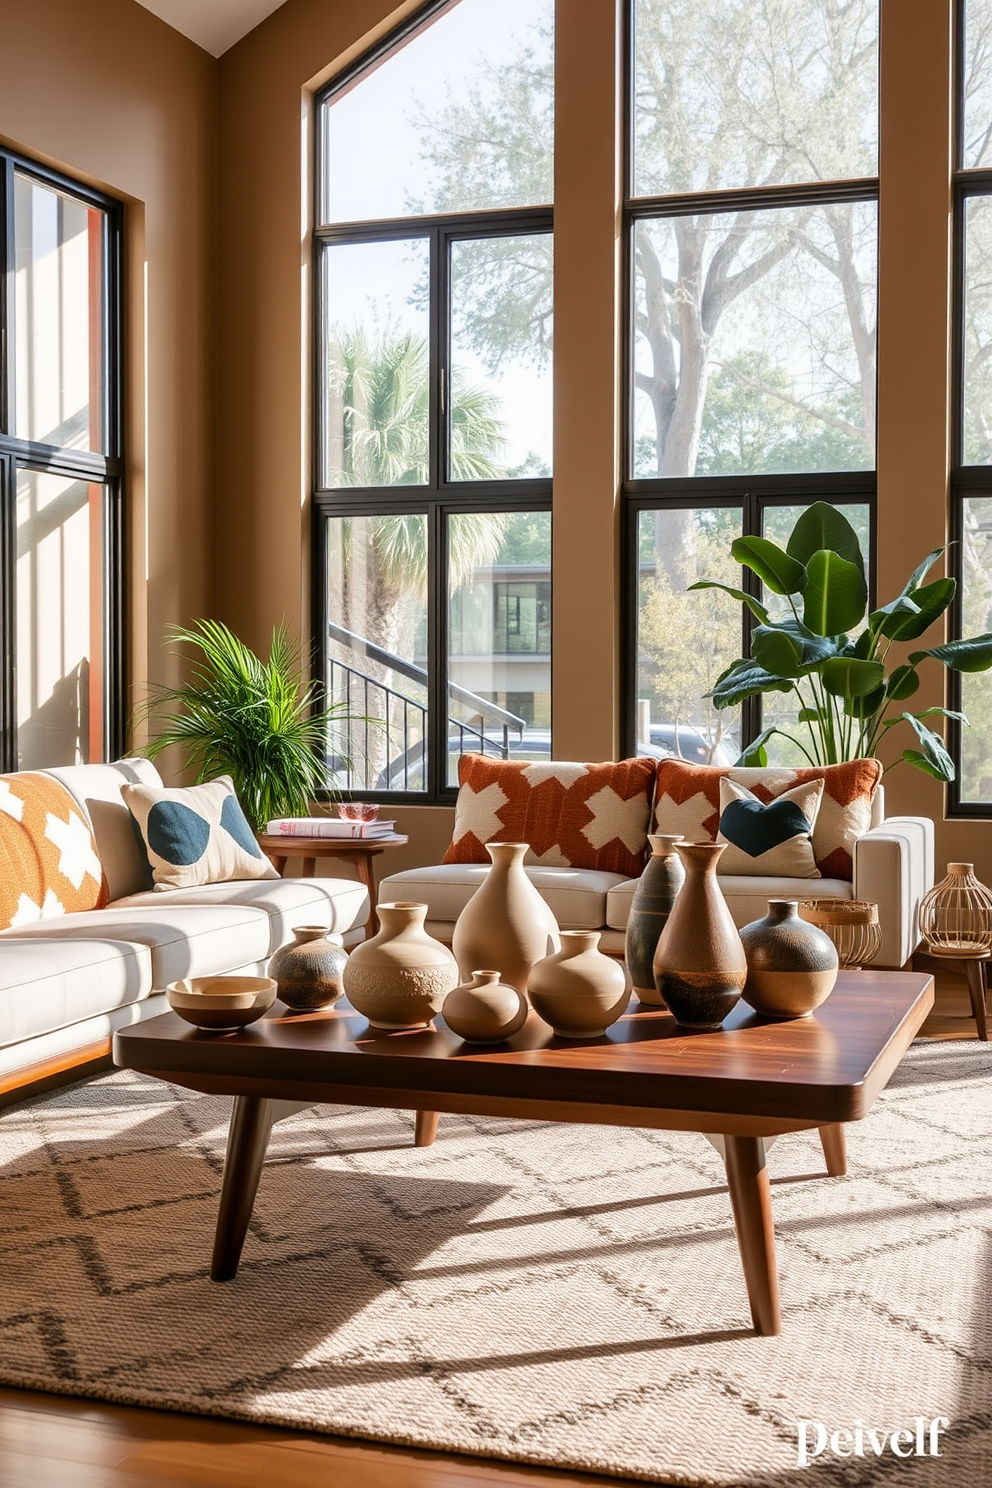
(687, 800)
(572, 815)
(48, 860)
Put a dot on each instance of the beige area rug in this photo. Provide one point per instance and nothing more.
(562, 1295)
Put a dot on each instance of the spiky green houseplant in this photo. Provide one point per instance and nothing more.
(848, 692)
(254, 720)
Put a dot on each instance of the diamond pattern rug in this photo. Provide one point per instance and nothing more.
(550, 1294)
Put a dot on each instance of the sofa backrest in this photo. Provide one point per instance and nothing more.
(97, 789)
(878, 805)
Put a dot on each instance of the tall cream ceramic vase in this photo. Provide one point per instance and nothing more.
(400, 978)
(699, 966)
(506, 924)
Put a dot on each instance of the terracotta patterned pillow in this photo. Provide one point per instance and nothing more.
(48, 859)
(572, 815)
(687, 800)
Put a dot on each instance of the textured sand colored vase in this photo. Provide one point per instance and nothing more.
(506, 924)
(485, 1010)
(699, 966)
(578, 990)
(650, 907)
(400, 978)
(791, 964)
(310, 970)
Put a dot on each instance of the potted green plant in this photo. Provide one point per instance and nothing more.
(834, 655)
(257, 721)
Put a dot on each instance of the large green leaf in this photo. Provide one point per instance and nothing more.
(972, 655)
(935, 757)
(920, 572)
(909, 616)
(847, 677)
(903, 682)
(866, 706)
(789, 648)
(745, 680)
(822, 526)
(836, 594)
(776, 570)
(754, 605)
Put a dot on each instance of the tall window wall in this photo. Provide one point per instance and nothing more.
(60, 470)
(752, 248)
(433, 338)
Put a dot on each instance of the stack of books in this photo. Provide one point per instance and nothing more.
(328, 826)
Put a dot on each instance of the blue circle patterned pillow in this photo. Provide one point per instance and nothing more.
(196, 835)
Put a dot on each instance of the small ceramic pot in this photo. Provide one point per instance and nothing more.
(699, 966)
(579, 991)
(506, 923)
(485, 1010)
(791, 964)
(400, 978)
(310, 971)
(219, 1004)
(653, 901)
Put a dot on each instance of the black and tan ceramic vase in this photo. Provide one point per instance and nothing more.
(653, 901)
(400, 978)
(309, 972)
(506, 924)
(791, 964)
(699, 966)
(578, 990)
(485, 1010)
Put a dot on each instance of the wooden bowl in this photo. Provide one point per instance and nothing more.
(220, 1003)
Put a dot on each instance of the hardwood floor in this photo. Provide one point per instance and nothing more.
(51, 1441)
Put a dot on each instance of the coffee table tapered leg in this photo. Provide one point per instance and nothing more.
(834, 1149)
(247, 1140)
(425, 1129)
(750, 1197)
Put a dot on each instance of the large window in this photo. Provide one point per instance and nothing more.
(433, 273)
(752, 243)
(60, 470)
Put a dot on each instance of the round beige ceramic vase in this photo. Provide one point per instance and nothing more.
(400, 978)
(699, 966)
(485, 1010)
(506, 924)
(579, 991)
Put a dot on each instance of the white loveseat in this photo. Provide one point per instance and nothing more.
(68, 981)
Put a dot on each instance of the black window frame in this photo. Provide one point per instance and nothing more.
(441, 497)
(104, 468)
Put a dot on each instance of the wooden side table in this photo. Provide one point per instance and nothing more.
(973, 968)
(357, 850)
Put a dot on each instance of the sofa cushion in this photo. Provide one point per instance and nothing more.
(48, 859)
(571, 815)
(747, 896)
(184, 939)
(97, 790)
(768, 839)
(340, 904)
(196, 835)
(53, 984)
(576, 896)
(687, 800)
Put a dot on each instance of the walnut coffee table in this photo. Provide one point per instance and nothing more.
(749, 1080)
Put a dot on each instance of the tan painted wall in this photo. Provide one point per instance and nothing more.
(112, 96)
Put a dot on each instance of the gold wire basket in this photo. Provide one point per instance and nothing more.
(852, 925)
(956, 915)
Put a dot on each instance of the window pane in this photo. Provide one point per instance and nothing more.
(977, 99)
(755, 341)
(377, 650)
(500, 415)
(460, 118)
(975, 765)
(977, 371)
(60, 621)
(499, 636)
(58, 318)
(377, 388)
(684, 641)
(734, 93)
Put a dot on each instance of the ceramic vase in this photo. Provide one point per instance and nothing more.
(578, 990)
(400, 978)
(309, 971)
(485, 1010)
(506, 924)
(699, 966)
(650, 907)
(791, 964)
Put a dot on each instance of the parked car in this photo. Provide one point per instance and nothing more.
(684, 741)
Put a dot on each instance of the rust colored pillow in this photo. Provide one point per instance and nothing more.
(687, 800)
(572, 815)
(48, 860)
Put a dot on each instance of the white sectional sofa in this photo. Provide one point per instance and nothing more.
(67, 981)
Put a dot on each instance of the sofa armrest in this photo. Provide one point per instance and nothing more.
(893, 867)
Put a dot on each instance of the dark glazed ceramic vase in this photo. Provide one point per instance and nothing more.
(699, 966)
(791, 964)
(309, 972)
(650, 907)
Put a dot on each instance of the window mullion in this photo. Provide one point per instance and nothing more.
(8, 613)
(7, 281)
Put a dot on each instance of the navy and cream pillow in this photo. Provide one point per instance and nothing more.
(773, 840)
(197, 835)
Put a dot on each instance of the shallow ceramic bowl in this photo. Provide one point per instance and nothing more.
(221, 1003)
